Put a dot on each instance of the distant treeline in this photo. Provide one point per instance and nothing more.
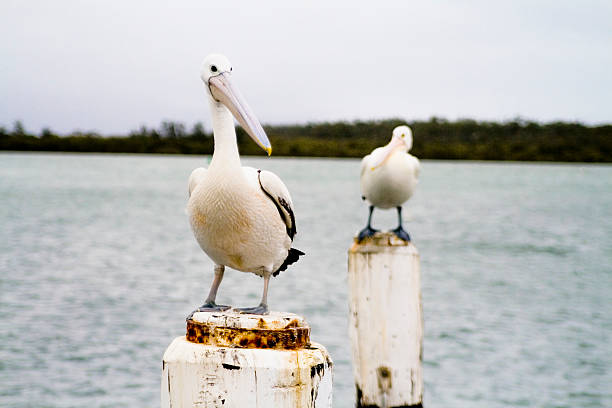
(433, 139)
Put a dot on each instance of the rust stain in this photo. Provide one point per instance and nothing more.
(292, 323)
(355, 246)
(384, 378)
(384, 372)
(380, 239)
(288, 338)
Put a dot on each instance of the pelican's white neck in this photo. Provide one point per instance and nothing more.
(226, 148)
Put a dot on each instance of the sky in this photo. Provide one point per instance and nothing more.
(112, 66)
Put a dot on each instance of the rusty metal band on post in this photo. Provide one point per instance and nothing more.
(288, 338)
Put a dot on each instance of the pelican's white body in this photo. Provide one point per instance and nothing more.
(235, 223)
(392, 183)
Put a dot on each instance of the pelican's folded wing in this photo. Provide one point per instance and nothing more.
(276, 190)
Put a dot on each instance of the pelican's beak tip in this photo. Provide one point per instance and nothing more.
(269, 150)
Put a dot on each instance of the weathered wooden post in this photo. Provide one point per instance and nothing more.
(229, 359)
(386, 322)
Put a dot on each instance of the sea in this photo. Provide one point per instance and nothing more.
(99, 268)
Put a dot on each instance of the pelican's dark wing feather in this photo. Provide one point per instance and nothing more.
(276, 191)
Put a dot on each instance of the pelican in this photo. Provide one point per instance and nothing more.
(242, 217)
(389, 176)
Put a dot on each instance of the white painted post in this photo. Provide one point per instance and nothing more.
(230, 360)
(386, 322)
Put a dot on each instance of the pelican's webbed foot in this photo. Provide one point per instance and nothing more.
(262, 309)
(401, 234)
(368, 231)
(209, 307)
(365, 233)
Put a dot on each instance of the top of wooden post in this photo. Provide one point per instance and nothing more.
(380, 242)
(276, 330)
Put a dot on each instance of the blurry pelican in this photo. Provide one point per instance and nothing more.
(241, 217)
(389, 176)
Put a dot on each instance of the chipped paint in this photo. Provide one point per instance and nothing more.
(197, 375)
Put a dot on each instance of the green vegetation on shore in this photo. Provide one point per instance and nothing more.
(433, 139)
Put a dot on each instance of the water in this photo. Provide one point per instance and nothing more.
(98, 269)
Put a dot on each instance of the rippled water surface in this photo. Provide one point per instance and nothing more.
(98, 269)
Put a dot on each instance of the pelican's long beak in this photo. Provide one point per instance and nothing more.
(387, 151)
(225, 92)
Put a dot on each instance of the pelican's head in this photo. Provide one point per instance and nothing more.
(400, 141)
(403, 134)
(216, 73)
(213, 65)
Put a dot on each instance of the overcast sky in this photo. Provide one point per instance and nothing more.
(111, 65)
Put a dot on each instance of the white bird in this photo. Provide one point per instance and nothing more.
(242, 217)
(389, 176)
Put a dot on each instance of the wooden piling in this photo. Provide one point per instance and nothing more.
(227, 359)
(386, 322)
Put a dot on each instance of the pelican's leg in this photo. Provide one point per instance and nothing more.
(209, 304)
(368, 231)
(399, 231)
(262, 308)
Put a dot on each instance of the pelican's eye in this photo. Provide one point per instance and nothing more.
(403, 135)
(213, 68)
(231, 69)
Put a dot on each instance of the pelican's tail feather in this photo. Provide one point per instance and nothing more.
(292, 257)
